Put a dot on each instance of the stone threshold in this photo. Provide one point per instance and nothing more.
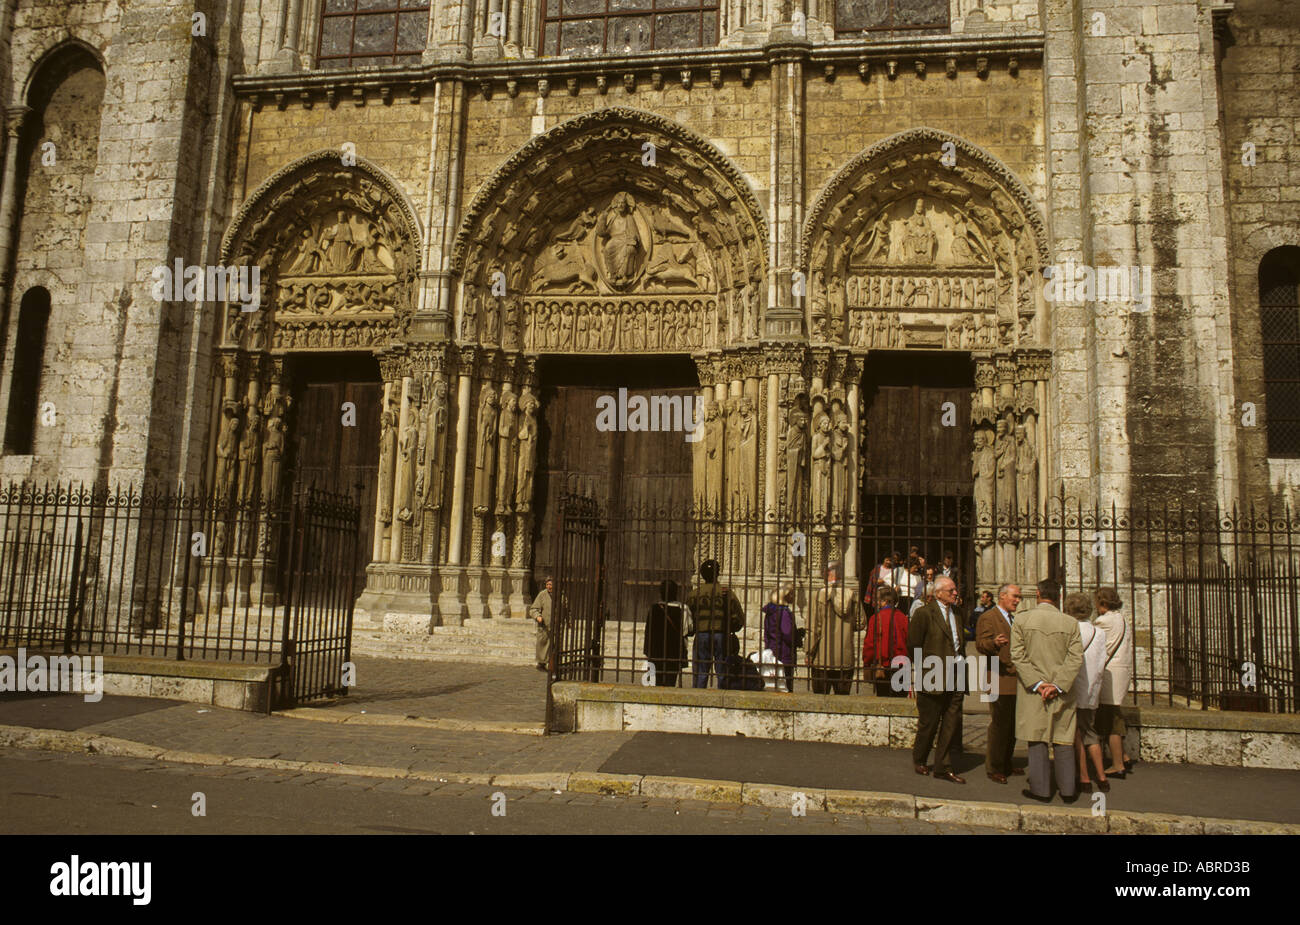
(1009, 817)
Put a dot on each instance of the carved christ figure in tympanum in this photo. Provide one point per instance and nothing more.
(918, 237)
(620, 241)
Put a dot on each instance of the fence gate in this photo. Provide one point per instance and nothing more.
(183, 577)
(322, 571)
(578, 599)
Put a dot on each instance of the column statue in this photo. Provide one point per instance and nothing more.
(528, 405)
(506, 461)
(486, 449)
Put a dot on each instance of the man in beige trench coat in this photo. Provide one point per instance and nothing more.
(541, 612)
(831, 651)
(1047, 651)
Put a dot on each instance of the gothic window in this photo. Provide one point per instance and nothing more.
(363, 33)
(592, 27)
(29, 357)
(1279, 322)
(855, 16)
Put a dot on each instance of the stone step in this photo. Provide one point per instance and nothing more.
(446, 647)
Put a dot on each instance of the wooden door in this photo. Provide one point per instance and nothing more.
(918, 437)
(333, 457)
(916, 480)
(623, 471)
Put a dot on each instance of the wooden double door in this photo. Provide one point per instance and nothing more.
(329, 449)
(623, 471)
(917, 483)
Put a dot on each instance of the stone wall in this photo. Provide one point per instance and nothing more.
(1115, 131)
(122, 357)
(1261, 108)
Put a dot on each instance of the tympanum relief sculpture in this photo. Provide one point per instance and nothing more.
(628, 275)
(335, 286)
(922, 274)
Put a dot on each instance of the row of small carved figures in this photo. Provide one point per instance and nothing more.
(663, 326)
(1174, 522)
(84, 500)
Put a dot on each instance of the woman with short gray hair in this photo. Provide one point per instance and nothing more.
(1116, 679)
(1087, 690)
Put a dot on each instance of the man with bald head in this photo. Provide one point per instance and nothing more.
(935, 630)
(993, 638)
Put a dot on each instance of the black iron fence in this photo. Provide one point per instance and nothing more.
(1212, 598)
(182, 576)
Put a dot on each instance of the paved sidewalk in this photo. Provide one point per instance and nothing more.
(624, 762)
(444, 690)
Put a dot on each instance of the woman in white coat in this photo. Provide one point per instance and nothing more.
(1087, 691)
(1116, 678)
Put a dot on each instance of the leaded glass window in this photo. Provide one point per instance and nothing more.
(361, 33)
(855, 16)
(1279, 322)
(593, 27)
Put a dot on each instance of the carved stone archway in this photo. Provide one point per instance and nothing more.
(618, 231)
(926, 241)
(336, 250)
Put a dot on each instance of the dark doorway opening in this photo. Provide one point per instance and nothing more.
(29, 358)
(325, 451)
(916, 476)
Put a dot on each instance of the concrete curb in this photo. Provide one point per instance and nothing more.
(394, 719)
(1009, 817)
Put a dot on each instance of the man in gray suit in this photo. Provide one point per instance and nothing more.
(1047, 651)
(935, 630)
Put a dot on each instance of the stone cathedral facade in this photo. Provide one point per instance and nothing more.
(458, 209)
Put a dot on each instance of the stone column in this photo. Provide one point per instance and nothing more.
(450, 606)
(983, 414)
(389, 421)
(403, 471)
(15, 118)
(514, 29)
(853, 378)
(772, 425)
(525, 489)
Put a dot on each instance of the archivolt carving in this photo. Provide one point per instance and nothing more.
(903, 250)
(611, 205)
(339, 249)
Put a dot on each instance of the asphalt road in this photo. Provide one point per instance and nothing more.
(67, 793)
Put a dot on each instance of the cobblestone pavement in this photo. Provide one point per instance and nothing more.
(445, 690)
(52, 793)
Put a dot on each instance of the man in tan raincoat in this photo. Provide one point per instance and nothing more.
(832, 651)
(541, 612)
(1047, 651)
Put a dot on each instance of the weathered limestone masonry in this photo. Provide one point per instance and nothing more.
(1261, 108)
(816, 195)
(130, 197)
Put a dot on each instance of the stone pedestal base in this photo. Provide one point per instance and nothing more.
(451, 602)
(399, 597)
(520, 592)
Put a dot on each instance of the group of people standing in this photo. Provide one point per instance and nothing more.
(1063, 672)
(1062, 678)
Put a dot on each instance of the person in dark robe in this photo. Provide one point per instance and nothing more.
(665, 635)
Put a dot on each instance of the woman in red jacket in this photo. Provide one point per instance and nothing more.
(886, 637)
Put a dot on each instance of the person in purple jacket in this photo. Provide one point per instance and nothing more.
(778, 631)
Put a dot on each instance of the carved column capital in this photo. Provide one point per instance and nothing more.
(16, 119)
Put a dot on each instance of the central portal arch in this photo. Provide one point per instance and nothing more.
(616, 234)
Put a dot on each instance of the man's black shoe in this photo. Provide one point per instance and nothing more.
(1034, 796)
